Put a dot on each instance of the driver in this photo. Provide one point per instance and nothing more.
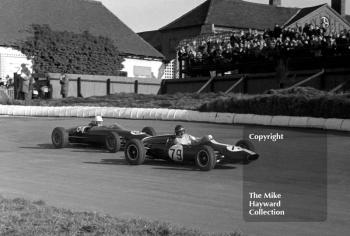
(97, 121)
(182, 138)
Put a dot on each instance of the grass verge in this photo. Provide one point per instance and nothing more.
(22, 217)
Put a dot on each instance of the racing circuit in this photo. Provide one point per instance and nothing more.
(88, 179)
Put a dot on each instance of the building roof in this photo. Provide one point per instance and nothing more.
(234, 14)
(70, 15)
(195, 17)
(304, 12)
(152, 37)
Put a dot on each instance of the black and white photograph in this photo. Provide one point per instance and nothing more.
(174, 117)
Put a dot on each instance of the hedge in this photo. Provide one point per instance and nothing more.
(72, 53)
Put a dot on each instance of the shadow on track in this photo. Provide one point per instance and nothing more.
(41, 146)
(73, 148)
(90, 149)
(159, 165)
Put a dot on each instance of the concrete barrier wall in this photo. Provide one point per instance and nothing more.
(177, 115)
(96, 85)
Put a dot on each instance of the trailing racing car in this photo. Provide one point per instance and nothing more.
(112, 137)
(205, 154)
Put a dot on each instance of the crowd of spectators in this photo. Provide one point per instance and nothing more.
(304, 41)
(24, 86)
(6, 82)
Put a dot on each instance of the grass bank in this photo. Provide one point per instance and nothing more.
(22, 217)
(173, 101)
(289, 102)
(307, 102)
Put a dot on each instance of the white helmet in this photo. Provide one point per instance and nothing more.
(98, 119)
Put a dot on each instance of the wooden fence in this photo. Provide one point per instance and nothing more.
(10, 92)
(90, 85)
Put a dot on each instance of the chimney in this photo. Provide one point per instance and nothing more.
(276, 3)
(339, 6)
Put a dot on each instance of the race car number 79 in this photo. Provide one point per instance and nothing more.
(176, 153)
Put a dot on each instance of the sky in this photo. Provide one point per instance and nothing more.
(145, 15)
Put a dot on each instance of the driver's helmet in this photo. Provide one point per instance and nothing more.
(179, 130)
(97, 121)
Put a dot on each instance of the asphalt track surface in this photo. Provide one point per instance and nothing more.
(91, 179)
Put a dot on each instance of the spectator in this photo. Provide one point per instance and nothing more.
(64, 81)
(9, 81)
(25, 76)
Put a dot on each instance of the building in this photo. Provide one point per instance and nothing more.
(141, 59)
(11, 60)
(214, 16)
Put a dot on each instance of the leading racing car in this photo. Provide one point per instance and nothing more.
(205, 154)
(113, 137)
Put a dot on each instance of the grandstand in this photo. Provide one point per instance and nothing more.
(250, 47)
(254, 52)
(218, 20)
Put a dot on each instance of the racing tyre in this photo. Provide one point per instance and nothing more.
(205, 158)
(246, 145)
(135, 152)
(59, 137)
(112, 142)
(149, 131)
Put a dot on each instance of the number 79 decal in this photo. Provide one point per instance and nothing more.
(176, 153)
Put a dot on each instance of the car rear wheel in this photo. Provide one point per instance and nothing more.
(112, 142)
(59, 137)
(135, 152)
(246, 145)
(205, 158)
(149, 131)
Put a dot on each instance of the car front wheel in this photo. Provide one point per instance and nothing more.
(135, 152)
(205, 158)
(59, 137)
(112, 142)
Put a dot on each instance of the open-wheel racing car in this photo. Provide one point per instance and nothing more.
(205, 154)
(113, 137)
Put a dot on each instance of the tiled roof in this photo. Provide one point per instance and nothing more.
(70, 15)
(234, 14)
